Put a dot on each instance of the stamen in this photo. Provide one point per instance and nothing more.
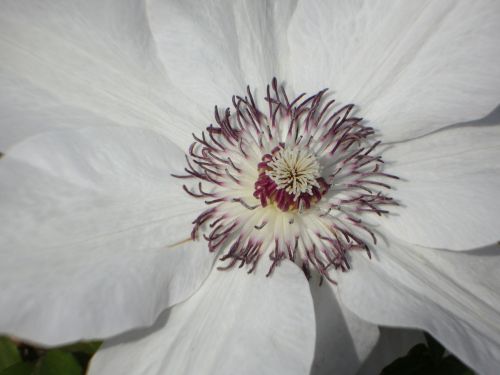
(244, 204)
(232, 177)
(304, 163)
(261, 225)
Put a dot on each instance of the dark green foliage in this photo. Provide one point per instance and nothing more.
(56, 362)
(427, 359)
(23, 359)
(9, 354)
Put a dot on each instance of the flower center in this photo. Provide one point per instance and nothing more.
(294, 170)
(290, 178)
(267, 180)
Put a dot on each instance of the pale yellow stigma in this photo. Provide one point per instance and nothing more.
(295, 170)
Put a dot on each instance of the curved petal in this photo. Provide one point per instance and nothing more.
(412, 67)
(343, 341)
(454, 296)
(90, 220)
(235, 324)
(26, 110)
(97, 56)
(212, 50)
(448, 194)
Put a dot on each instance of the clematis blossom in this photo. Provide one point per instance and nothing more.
(269, 238)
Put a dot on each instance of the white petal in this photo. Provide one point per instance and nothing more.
(88, 218)
(449, 188)
(343, 341)
(26, 110)
(392, 344)
(454, 296)
(93, 55)
(235, 324)
(212, 50)
(412, 67)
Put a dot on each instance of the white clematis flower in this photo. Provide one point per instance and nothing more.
(99, 102)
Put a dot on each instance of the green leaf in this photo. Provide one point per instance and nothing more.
(87, 347)
(20, 368)
(57, 362)
(435, 348)
(427, 359)
(9, 354)
(450, 365)
(417, 362)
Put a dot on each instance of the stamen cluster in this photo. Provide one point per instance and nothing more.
(293, 182)
(294, 170)
(289, 177)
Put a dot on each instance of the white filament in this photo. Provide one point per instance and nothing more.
(295, 170)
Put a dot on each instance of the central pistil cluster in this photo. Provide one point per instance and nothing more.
(294, 182)
(290, 178)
